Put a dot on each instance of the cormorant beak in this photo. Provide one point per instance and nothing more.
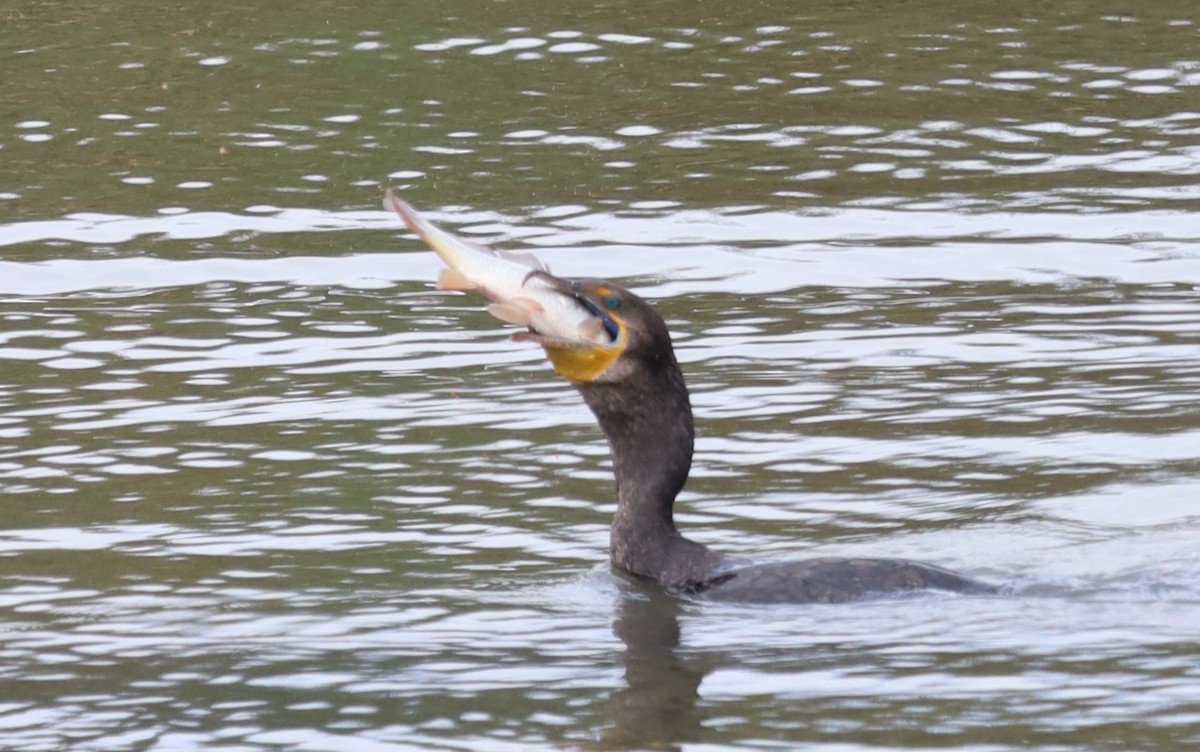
(584, 360)
(576, 292)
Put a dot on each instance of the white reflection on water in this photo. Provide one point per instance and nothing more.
(847, 248)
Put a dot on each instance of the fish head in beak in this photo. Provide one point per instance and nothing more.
(603, 335)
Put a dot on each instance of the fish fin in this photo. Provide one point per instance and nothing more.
(509, 313)
(529, 304)
(523, 257)
(449, 279)
(409, 215)
(590, 330)
(424, 229)
(444, 242)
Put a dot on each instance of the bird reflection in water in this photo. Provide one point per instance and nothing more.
(657, 707)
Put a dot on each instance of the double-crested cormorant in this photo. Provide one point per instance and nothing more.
(635, 388)
(617, 352)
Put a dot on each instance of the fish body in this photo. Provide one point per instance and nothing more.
(520, 288)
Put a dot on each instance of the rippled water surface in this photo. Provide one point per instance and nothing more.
(931, 269)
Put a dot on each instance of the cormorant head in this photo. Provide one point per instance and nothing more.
(636, 338)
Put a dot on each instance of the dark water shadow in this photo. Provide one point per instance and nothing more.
(657, 707)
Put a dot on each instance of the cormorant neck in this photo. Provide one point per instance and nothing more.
(647, 419)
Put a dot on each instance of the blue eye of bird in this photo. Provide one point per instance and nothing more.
(612, 302)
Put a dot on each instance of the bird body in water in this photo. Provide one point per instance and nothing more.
(630, 379)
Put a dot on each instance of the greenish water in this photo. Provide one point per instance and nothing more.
(931, 269)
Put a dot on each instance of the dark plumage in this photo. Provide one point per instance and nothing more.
(636, 390)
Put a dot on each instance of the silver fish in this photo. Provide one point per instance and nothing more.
(520, 288)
